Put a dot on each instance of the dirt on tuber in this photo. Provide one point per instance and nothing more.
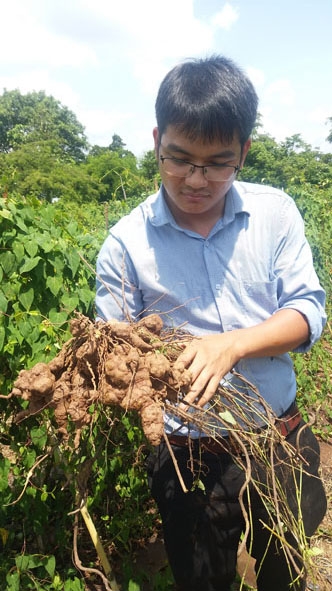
(130, 365)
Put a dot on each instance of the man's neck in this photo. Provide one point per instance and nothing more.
(201, 223)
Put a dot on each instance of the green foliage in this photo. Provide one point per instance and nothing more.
(329, 137)
(46, 264)
(43, 279)
(37, 572)
(35, 118)
(43, 153)
(34, 169)
(314, 382)
(149, 167)
(116, 174)
(314, 204)
(37, 512)
(288, 164)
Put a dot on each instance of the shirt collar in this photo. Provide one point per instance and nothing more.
(160, 215)
(159, 212)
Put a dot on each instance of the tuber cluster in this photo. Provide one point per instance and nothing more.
(114, 363)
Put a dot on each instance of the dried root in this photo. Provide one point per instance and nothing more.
(115, 363)
(132, 366)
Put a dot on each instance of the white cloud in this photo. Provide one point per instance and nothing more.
(320, 114)
(26, 40)
(101, 124)
(105, 61)
(256, 76)
(89, 33)
(36, 80)
(271, 123)
(282, 90)
(226, 17)
(171, 31)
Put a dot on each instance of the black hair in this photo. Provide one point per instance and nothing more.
(208, 98)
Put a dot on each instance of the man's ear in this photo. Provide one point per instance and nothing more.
(244, 152)
(155, 134)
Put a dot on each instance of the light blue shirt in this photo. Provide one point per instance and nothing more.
(255, 261)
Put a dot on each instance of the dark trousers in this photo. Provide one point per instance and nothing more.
(202, 528)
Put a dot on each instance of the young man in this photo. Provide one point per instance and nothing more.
(229, 262)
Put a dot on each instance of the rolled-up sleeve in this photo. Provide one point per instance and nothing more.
(298, 284)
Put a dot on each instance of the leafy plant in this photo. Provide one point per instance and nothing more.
(43, 279)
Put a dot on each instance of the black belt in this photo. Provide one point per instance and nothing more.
(285, 424)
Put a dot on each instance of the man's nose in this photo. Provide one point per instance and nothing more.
(197, 178)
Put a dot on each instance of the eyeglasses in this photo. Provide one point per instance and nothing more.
(212, 172)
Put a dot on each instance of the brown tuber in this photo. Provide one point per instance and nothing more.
(129, 365)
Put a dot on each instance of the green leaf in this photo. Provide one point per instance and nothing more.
(18, 250)
(315, 551)
(26, 298)
(21, 225)
(54, 284)
(57, 318)
(46, 243)
(50, 566)
(73, 261)
(39, 436)
(30, 264)
(72, 228)
(2, 337)
(13, 581)
(70, 302)
(4, 470)
(25, 328)
(4, 213)
(29, 459)
(3, 303)
(73, 585)
(27, 562)
(31, 247)
(86, 296)
(22, 562)
(228, 417)
(7, 261)
(58, 264)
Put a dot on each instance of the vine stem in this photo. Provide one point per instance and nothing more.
(98, 546)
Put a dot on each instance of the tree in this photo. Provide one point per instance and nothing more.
(117, 175)
(117, 144)
(37, 118)
(290, 163)
(149, 167)
(33, 170)
(262, 162)
(329, 137)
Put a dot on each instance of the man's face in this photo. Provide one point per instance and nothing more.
(195, 195)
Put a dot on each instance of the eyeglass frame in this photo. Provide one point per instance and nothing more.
(202, 166)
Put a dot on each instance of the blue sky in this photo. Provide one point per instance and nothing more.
(104, 59)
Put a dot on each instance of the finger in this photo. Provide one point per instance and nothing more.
(202, 391)
(207, 395)
(186, 357)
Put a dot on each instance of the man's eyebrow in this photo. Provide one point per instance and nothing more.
(222, 154)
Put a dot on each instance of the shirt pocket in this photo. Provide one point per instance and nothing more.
(259, 298)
